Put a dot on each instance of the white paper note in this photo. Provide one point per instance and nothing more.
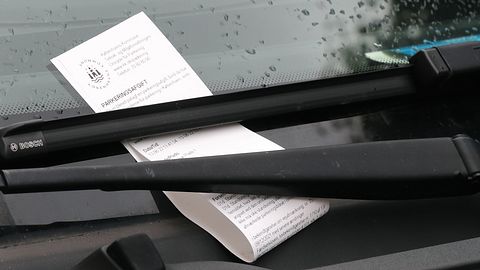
(133, 64)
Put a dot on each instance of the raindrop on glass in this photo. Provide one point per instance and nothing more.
(305, 12)
(241, 78)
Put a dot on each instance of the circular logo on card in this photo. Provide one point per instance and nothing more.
(96, 74)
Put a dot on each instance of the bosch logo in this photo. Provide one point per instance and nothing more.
(30, 144)
(14, 147)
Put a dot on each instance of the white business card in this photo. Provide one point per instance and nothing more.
(131, 64)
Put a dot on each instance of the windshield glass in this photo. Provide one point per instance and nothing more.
(233, 45)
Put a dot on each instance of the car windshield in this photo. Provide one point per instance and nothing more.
(233, 45)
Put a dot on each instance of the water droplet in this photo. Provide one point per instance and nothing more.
(4, 117)
(305, 12)
(225, 17)
(332, 11)
(241, 78)
(314, 23)
(251, 51)
(272, 68)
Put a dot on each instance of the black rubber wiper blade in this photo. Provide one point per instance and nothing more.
(38, 138)
(432, 68)
(403, 169)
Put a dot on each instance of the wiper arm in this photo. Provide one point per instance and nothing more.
(433, 68)
(38, 137)
(404, 169)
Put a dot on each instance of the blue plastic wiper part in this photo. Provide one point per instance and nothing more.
(402, 55)
(412, 50)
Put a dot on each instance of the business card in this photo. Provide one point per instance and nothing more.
(131, 64)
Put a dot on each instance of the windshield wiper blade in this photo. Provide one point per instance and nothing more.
(403, 169)
(38, 138)
(433, 67)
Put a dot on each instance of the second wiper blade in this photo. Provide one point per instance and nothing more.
(404, 169)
